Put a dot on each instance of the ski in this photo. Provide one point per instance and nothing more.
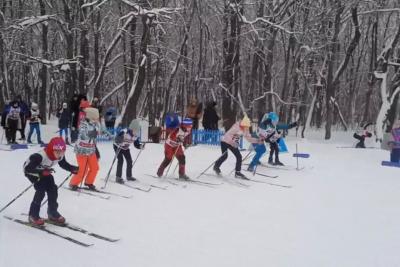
(83, 231)
(43, 228)
(197, 182)
(264, 182)
(78, 229)
(268, 176)
(87, 193)
(228, 180)
(131, 186)
(161, 179)
(104, 192)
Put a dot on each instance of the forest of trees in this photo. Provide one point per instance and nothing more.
(334, 64)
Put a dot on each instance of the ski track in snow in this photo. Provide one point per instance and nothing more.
(342, 210)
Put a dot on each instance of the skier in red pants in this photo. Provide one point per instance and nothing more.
(173, 147)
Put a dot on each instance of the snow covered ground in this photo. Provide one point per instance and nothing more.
(342, 210)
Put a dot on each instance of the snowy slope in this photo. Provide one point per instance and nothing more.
(342, 210)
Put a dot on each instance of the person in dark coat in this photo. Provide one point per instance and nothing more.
(64, 121)
(75, 110)
(24, 114)
(13, 121)
(4, 113)
(210, 117)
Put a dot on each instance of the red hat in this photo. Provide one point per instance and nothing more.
(84, 104)
(56, 143)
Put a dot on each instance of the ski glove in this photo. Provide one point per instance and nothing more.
(74, 169)
(46, 172)
(97, 153)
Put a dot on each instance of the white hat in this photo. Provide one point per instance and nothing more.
(34, 105)
(92, 114)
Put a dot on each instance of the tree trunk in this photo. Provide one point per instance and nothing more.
(43, 71)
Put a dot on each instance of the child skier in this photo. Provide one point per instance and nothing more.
(34, 123)
(360, 136)
(85, 150)
(63, 116)
(121, 147)
(230, 141)
(269, 131)
(38, 169)
(173, 146)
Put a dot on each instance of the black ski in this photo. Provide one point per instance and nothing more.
(268, 176)
(43, 228)
(83, 231)
(162, 179)
(104, 192)
(87, 193)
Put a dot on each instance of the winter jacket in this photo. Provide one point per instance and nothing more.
(233, 135)
(86, 144)
(125, 138)
(194, 110)
(34, 116)
(210, 117)
(111, 114)
(177, 137)
(63, 118)
(270, 133)
(396, 137)
(39, 161)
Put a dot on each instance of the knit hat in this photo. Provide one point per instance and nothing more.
(245, 122)
(34, 105)
(56, 143)
(187, 122)
(84, 104)
(92, 114)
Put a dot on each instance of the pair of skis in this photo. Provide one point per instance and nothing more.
(172, 181)
(64, 236)
(98, 193)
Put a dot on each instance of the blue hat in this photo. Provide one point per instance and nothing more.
(273, 117)
(172, 120)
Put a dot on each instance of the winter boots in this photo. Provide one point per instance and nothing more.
(56, 218)
(217, 170)
(184, 177)
(73, 187)
(36, 221)
(131, 179)
(240, 175)
(251, 168)
(119, 180)
(91, 187)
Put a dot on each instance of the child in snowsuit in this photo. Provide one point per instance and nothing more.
(34, 123)
(173, 147)
(270, 131)
(63, 116)
(230, 141)
(121, 146)
(38, 169)
(85, 150)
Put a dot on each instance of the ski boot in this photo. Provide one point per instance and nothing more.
(184, 177)
(119, 180)
(278, 163)
(240, 175)
(35, 220)
(270, 161)
(73, 187)
(217, 170)
(91, 187)
(132, 179)
(56, 218)
(251, 168)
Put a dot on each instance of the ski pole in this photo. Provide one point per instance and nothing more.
(58, 187)
(9, 203)
(211, 165)
(112, 164)
(177, 164)
(137, 157)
